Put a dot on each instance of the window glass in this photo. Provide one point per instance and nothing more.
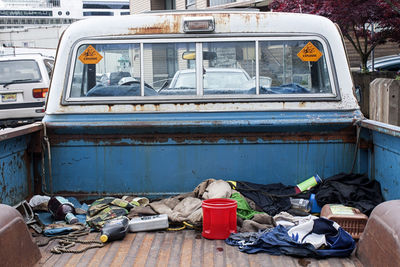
(220, 2)
(228, 68)
(285, 67)
(19, 71)
(293, 67)
(116, 72)
(166, 70)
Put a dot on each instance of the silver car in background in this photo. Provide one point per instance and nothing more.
(386, 63)
(24, 83)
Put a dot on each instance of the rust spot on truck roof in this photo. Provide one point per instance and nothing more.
(166, 26)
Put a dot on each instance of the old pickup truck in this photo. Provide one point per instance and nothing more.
(153, 104)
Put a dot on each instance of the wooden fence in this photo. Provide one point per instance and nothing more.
(384, 101)
(363, 80)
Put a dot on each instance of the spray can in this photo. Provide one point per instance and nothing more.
(307, 184)
(114, 229)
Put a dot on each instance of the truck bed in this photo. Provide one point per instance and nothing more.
(177, 248)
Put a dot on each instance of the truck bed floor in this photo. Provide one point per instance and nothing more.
(182, 248)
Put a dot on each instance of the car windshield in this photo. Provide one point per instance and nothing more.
(19, 71)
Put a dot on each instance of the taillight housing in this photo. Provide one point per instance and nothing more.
(40, 92)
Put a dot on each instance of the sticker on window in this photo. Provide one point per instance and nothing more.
(309, 53)
(90, 56)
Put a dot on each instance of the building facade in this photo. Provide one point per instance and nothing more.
(39, 23)
(143, 6)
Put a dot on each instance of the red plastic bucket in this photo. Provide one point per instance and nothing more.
(219, 218)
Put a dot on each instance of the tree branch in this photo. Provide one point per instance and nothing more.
(395, 8)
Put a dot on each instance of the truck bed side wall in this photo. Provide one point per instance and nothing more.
(17, 163)
(384, 156)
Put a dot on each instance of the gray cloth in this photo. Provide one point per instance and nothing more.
(260, 221)
(141, 211)
(187, 209)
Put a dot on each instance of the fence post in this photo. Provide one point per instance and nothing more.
(384, 101)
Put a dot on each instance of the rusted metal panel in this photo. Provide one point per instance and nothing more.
(20, 131)
(379, 244)
(384, 156)
(170, 154)
(182, 248)
(16, 243)
(381, 127)
(16, 166)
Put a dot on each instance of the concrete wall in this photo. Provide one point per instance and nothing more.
(384, 101)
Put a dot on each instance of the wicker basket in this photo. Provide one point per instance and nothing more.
(350, 219)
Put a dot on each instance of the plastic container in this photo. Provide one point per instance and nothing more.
(307, 184)
(219, 218)
(148, 223)
(300, 204)
(350, 219)
(114, 229)
(315, 208)
(62, 209)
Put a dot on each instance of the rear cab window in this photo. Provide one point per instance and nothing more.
(205, 69)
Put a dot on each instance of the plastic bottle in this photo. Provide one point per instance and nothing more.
(114, 229)
(62, 209)
(307, 184)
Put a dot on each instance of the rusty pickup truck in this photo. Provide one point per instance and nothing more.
(155, 103)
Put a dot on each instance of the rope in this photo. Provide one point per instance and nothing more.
(65, 245)
(47, 143)
(358, 129)
(67, 241)
(176, 229)
(186, 225)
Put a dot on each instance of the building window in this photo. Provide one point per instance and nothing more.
(190, 4)
(220, 2)
(98, 13)
(106, 6)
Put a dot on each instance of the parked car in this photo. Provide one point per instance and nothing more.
(234, 81)
(24, 83)
(387, 63)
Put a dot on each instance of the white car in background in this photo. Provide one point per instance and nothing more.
(24, 83)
